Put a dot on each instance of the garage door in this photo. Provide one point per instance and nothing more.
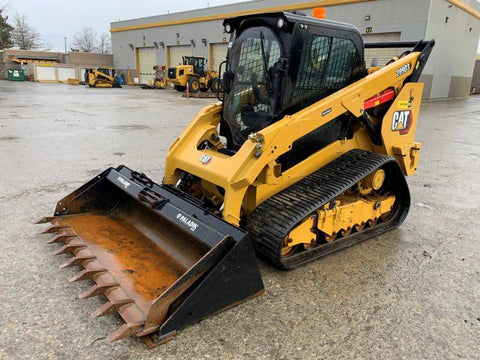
(175, 54)
(218, 52)
(66, 73)
(45, 73)
(382, 55)
(146, 61)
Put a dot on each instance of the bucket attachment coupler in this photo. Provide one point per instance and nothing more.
(160, 259)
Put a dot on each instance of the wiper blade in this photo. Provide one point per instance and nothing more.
(268, 80)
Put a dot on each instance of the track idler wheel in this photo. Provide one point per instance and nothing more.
(374, 181)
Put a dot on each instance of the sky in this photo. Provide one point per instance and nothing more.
(54, 20)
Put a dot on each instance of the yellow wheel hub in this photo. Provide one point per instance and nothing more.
(374, 181)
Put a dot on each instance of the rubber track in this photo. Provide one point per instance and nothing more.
(276, 217)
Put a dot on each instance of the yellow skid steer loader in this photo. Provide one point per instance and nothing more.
(305, 153)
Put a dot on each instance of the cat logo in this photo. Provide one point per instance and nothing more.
(402, 121)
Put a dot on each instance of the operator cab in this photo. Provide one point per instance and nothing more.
(280, 63)
(108, 71)
(198, 64)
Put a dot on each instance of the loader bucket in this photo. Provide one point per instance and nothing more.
(161, 260)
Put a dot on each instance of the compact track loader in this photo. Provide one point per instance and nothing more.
(305, 154)
(101, 78)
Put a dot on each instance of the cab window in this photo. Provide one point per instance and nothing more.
(326, 66)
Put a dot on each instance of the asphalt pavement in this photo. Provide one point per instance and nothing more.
(412, 293)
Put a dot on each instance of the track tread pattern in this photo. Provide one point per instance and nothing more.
(274, 218)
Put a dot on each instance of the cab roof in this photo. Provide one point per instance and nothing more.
(292, 18)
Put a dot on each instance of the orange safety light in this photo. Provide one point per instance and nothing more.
(319, 13)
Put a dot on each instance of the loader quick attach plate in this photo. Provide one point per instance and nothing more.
(160, 259)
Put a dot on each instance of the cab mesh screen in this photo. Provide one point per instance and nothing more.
(326, 66)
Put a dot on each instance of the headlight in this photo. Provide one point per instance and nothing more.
(228, 28)
(280, 23)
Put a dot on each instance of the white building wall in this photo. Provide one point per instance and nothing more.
(447, 71)
(456, 35)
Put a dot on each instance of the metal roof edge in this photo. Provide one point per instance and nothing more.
(279, 8)
(467, 8)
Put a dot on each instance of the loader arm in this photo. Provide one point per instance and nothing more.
(241, 173)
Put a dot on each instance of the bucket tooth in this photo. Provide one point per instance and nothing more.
(45, 219)
(62, 235)
(57, 238)
(53, 228)
(70, 246)
(105, 309)
(124, 331)
(131, 314)
(110, 307)
(76, 260)
(147, 330)
(86, 274)
(97, 290)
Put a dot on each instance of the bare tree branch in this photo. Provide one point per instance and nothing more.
(104, 44)
(23, 35)
(85, 40)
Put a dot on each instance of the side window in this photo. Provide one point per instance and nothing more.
(319, 49)
(326, 65)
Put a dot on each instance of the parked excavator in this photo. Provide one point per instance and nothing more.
(305, 153)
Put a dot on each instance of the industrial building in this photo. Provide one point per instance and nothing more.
(46, 66)
(140, 44)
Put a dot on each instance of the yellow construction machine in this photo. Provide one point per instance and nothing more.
(192, 73)
(305, 153)
(101, 77)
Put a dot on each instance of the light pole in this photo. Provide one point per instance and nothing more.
(65, 44)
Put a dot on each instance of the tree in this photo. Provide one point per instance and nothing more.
(5, 32)
(23, 35)
(104, 44)
(85, 40)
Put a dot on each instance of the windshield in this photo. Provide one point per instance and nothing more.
(109, 72)
(249, 106)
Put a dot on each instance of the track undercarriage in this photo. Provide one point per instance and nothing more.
(355, 197)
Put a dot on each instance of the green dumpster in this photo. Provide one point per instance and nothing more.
(16, 75)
